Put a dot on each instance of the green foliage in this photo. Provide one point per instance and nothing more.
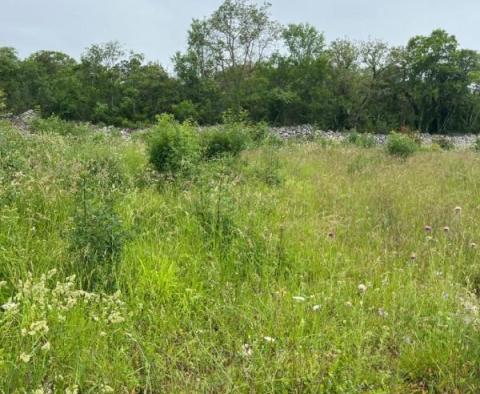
(56, 125)
(185, 110)
(229, 139)
(96, 241)
(316, 254)
(477, 145)
(173, 147)
(361, 140)
(3, 104)
(443, 142)
(401, 145)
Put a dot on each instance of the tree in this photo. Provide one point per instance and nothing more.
(304, 43)
(227, 46)
(437, 76)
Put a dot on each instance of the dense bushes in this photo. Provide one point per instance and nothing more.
(401, 145)
(173, 147)
(361, 140)
(224, 140)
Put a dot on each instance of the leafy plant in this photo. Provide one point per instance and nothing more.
(55, 125)
(401, 145)
(173, 147)
(443, 142)
(229, 139)
(361, 140)
(96, 239)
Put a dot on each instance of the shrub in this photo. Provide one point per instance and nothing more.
(227, 140)
(96, 239)
(185, 110)
(173, 147)
(401, 145)
(443, 142)
(361, 140)
(476, 145)
(55, 125)
(259, 133)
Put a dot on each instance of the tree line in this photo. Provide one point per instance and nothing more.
(240, 60)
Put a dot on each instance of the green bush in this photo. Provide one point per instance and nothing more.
(401, 145)
(55, 125)
(443, 142)
(476, 145)
(227, 140)
(173, 147)
(96, 240)
(361, 140)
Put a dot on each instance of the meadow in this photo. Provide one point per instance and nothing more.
(299, 267)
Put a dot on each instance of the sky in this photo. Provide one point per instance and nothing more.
(158, 28)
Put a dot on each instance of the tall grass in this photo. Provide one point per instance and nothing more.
(302, 268)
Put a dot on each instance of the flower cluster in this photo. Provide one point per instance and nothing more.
(40, 303)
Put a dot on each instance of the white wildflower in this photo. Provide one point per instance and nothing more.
(46, 346)
(316, 307)
(105, 388)
(72, 390)
(269, 339)
(298, 298)
(10, 306)
(246, 350)
(25, 357)
(38, 327)
(115, 318)
(382, 312)
(362, 288)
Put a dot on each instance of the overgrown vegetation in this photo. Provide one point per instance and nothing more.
(240, 59)
(401, 145)
(303, 267)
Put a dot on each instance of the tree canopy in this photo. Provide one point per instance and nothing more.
(239, 59)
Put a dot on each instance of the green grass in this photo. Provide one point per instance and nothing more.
(243, 277)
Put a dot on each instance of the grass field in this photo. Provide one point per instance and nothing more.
(304, 268)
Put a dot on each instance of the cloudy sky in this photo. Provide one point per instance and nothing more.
(158, 28)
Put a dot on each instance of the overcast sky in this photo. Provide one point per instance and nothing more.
(158, 28)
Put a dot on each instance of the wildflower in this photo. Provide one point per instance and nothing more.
(10, 306)
(458, 210)
(72, 390)
(25, 357)
(38, 327)
(298, 298)
(115, 318)
(428, 229)
(349, 304)
(473, 245)
(46, 346)
(362, 288)
(316, 307)
(413, 256)
(446, 229)
(331, 234)
(105, 388)
(269, 339)
(382, 312)
(246, 350)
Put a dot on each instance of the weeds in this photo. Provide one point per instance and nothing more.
(291, 268)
